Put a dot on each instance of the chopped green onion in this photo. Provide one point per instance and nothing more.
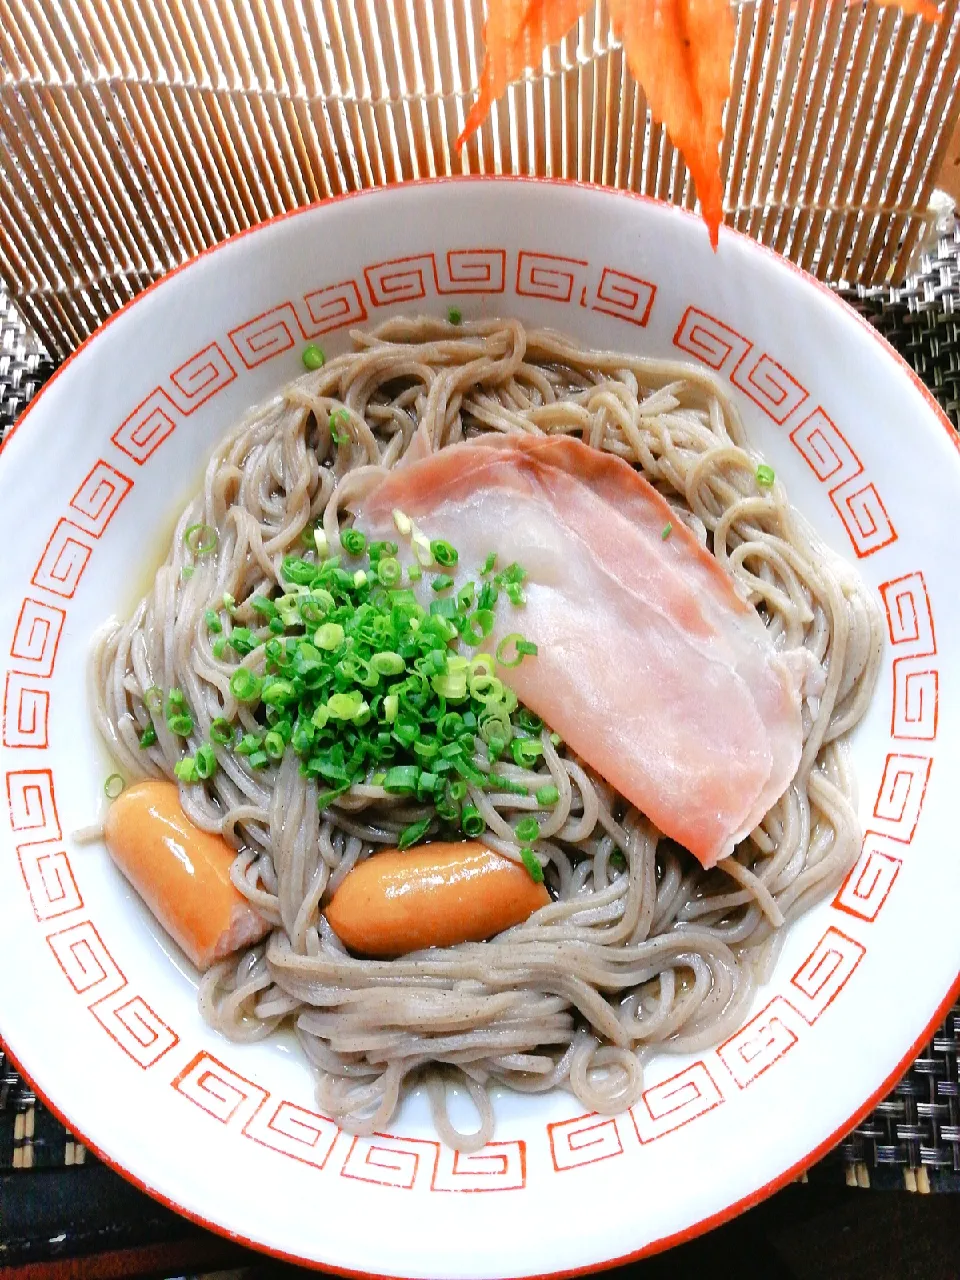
(219, 647)
(617, 861)
(667, 530)
(526, 751)
(181, 725)
(489, 564)
(414, 833)
(213, 622)
(414, 573)
(388, 571)
(353, 542)
(401, 778)
(278, 693)
(329, 636)
(765, 475)
(455, 315)
(522, 648)
(153, 698)
(313, 357)
(200, 539)
(442, 582)
(444, 554)
(148, 737)
(273, 745)
(515, 593)
(221, 731)
(113, 786)
(472, 821)
(548, 795)
(229, 603)
(186, 769)
(244, 685)
(527, 830)
(205, 761)
(534, 869)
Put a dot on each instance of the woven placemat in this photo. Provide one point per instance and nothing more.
(912, 1139)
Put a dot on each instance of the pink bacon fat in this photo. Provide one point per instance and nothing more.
(649, 665)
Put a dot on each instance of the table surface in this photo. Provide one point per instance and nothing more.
(57, 1202)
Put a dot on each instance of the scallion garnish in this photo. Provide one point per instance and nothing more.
(313, 357)
(412, 834)
(200, 539)
(444, 554)
(455, 315)
(148, 737)
(765, 476)
(548, 795)
(113, 786)
(527, 830)
(534, 869)
(353, 542)
(522, 648)
(667, 530)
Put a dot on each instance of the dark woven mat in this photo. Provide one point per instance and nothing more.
(912, 1139)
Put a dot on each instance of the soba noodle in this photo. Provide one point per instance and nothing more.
(641, 949)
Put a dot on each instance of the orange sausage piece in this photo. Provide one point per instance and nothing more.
(181, 872)
(434, 896)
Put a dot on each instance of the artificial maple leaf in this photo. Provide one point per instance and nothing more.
(920, 8)
(515, 35)
(680, 51)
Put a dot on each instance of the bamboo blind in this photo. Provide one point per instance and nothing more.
(133, 133)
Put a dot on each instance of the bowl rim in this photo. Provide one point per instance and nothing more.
(800, 1166)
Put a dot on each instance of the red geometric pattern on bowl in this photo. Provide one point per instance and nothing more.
(916, 680)
(36, 636)
(499, 1166)
(64, 559)
(548, 275)
(131, 1023)
(900, 796)
(202, 376)
(32, 806)
(83, 956)
(625, 297)
(768, 385)
(219, 1091)
(585, 1140)
(870, 879)
(49, 879)
(26, 707)
(144, 430)
(674, 1102)
(824, 973)
(762, 1042)
(710, 340)
(294, 1131)
(386, 1161)
(97, 500)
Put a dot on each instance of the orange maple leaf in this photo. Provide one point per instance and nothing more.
(680, 51)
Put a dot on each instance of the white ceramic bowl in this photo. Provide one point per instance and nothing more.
(100, 1014)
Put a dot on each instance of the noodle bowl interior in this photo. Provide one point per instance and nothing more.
(501, 701)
